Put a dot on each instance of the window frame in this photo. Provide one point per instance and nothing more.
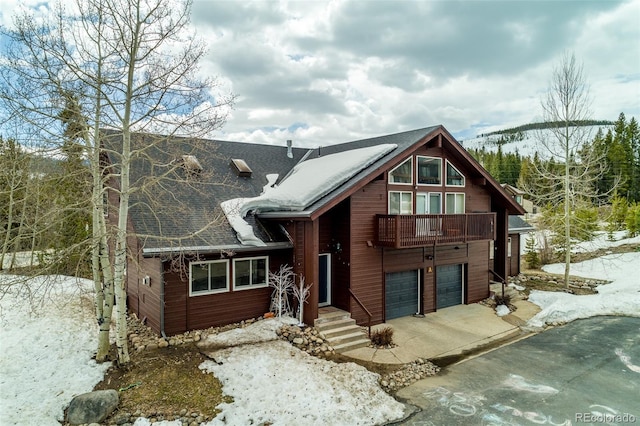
(455, 194)
(401, 193)
(446, 179)
(209, 291)
(427, 196)
(418, 157)
(251, 286)
(389, 175)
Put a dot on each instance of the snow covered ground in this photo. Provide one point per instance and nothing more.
(274, 383)
(620, 297)
(46, 349)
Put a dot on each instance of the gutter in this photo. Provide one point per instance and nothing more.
(150, 252)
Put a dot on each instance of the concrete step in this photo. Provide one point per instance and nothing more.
(331, 316)
(348, 346)
(325, 327)
(346, 337)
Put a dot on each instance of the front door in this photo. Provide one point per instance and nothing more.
(324, 273)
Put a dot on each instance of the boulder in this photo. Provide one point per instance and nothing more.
(92, 407)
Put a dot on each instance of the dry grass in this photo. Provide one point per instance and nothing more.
(165, 381)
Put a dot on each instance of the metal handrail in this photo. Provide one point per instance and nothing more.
(363, 308)
(502, 280)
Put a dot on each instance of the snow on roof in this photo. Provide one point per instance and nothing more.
(308, 182)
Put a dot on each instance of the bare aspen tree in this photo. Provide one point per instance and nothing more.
(133, 66)
(565, 178)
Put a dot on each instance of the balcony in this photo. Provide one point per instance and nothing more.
(404, 231)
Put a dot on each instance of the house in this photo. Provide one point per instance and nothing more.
(395, 225)
(517, 226)
(520, 197)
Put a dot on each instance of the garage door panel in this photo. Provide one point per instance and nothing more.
(401, 294)
(448, 286)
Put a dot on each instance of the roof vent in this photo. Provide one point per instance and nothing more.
(289, 150)
(191, 164)
(241, 167)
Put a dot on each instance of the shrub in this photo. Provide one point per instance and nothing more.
(382, 337)
(633, 220)
(503, 300)
(531, 255)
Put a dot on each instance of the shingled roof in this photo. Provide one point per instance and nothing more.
(179, 210)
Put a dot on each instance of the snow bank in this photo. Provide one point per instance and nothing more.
(620, 297)
(46, 350)
(275, 383)
(259, 332)
(502, 310)
(308, 182)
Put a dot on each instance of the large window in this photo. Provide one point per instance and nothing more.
(208, 277)
(454, 177)
(400, 202)
(428, 203)
(403, 173)
(454, 203)
(250, 272)
(429, 171)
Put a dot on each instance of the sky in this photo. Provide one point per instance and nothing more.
(323, 72)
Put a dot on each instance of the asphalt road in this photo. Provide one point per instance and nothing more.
(585, 372)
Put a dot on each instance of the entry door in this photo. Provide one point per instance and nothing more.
(449, 286)
(324, 273)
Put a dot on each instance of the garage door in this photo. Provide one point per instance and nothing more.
(401, 294)
(448, 285)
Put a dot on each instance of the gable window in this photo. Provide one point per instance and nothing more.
(429, 171)
(250, 272)
(402, 173)
(428, 203)
(454, 203)
(400, 202)
(454, 177)
(208, 277)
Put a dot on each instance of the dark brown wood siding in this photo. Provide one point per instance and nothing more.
(335, 239)
(514, 259)
(147, 304)
(184, 312)
(367, 278)
(478, 272)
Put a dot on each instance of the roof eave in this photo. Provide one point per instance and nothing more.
(152, 252)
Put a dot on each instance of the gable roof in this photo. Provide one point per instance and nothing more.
(406, 143)
(518, 225)
(176, 212)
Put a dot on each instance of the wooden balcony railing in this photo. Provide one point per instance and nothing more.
(402, 231)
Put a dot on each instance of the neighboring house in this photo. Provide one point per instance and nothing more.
(517, 226)
(519, 196)
(402, 224)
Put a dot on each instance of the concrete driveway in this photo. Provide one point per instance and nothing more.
(587, 372)
(450, 332)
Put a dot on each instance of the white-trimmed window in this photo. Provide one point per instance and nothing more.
(454, 203)
(454, 177)
(250, 272)
(428, 203)
(402, 174)
(208, 277)
(400, 202)
(429, 170)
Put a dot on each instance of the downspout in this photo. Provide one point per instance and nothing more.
(162, 333)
